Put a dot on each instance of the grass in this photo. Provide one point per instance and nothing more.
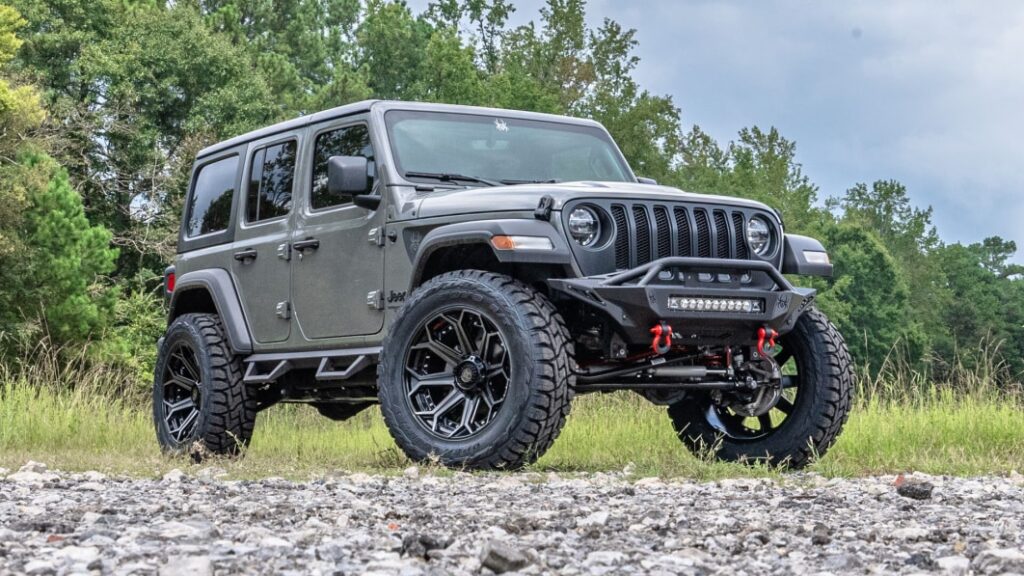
(942, 432)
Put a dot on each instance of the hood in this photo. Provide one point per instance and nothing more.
(524, 197)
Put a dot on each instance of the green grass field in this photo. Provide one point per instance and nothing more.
(934, 432)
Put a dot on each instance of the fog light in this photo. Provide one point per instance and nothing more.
(742, 305)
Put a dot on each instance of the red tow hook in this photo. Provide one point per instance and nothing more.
(662, 342)
(765, 334)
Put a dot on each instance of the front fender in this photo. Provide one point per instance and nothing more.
(794, 257)
(481, 232)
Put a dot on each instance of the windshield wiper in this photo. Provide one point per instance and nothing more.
(548, 181)
(449, 177)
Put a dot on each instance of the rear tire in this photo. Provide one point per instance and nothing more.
(476, 371)
(200, 404)
(815, 416)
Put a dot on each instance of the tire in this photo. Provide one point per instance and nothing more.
(222, 412)
(815, 417)
(524, 352)
(340, 412)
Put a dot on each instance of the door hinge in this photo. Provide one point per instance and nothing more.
(375, 236)
(284, 251)
(375, 300)
(284, 310)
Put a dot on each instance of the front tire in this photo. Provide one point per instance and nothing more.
(200, 404)
(476, 372)
(805, 422)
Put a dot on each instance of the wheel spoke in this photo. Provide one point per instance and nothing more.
(182, 382)
(181, 431)
(428, 380)
(170, 408)
(460, 332)
(469, 410)
(451, 357)
(186, 365)
(784, 406)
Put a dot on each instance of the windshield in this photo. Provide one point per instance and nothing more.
(470, 149)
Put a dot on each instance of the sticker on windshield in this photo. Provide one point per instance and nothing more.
(500, 125)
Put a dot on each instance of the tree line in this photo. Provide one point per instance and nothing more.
(103, 105)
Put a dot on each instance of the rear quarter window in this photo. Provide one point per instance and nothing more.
(209, 205)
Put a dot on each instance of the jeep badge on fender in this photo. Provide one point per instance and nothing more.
(526, 264)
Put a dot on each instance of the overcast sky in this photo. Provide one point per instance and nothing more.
(928, 93)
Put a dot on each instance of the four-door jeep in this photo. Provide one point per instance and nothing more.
(471, 270)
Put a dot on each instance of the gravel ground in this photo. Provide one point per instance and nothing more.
(419, 523)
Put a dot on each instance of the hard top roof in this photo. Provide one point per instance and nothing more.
(383, 105)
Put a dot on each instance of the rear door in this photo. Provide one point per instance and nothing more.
(260, 263)
(338, 258)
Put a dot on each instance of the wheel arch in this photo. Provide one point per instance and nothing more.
(212, 292)
(467, 245)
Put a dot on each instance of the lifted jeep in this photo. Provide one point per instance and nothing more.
(471, 270)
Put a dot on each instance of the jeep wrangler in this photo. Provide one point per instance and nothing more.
(471, 270)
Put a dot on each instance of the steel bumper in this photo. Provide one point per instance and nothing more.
(638, 299)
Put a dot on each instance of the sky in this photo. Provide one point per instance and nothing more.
(927, 93)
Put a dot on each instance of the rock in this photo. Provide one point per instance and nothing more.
(999, 561)
(412, 472)
(34, 567)
(629, 469)
(649, 482)
(420, 545)
(953, 564)
(909, 533)
(915, 490)
(500, 557)
(595, 520)
(173, 477)
(29, 477)
(91, 487)
(211, 473)
(77, 554)
(32, 466)
(187, 566)
(843, 563)
(820, 535)
(606, 558)
(94, 476)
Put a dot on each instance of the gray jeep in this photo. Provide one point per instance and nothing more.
(471, 270)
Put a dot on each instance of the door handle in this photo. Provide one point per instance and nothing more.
(307, 244)
(244, 255)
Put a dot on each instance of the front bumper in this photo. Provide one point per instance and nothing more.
(638, 299)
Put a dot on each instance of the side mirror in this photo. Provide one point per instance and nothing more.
(349, 176)
(643, 180)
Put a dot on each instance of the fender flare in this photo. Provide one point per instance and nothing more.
(794, 261)
(481, 232)
(217, 282)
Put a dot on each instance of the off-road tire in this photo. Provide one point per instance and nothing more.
(340, 412)
(227, 412)
(542, 379)
(818, 415)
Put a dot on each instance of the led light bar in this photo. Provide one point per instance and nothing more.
(694, 304)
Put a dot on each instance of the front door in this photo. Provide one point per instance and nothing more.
(337, 257)
(260, 260)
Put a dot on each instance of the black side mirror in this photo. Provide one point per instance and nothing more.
(349, 176)
(643, 180)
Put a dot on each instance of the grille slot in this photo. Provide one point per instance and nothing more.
(643, 234)
(703, 233)
(664, 232)
(740, 236)
(683, 247)
(722, 234)
(621, 237)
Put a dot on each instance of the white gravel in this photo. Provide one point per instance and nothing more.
(420, 523)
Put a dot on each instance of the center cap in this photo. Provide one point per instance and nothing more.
(470, 373)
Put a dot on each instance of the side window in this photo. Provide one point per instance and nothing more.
(349, 141)
(270, 182)
(209, 206)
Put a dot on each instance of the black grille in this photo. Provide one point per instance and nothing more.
(740, 236)
(649, 230)
(664, 232)
(622, 238)
(643, 234)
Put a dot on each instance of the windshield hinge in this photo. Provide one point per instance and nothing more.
(543, 211)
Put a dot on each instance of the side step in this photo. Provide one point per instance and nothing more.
(331, 364)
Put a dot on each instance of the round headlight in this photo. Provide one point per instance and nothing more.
(759, 236)
(584, 226)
